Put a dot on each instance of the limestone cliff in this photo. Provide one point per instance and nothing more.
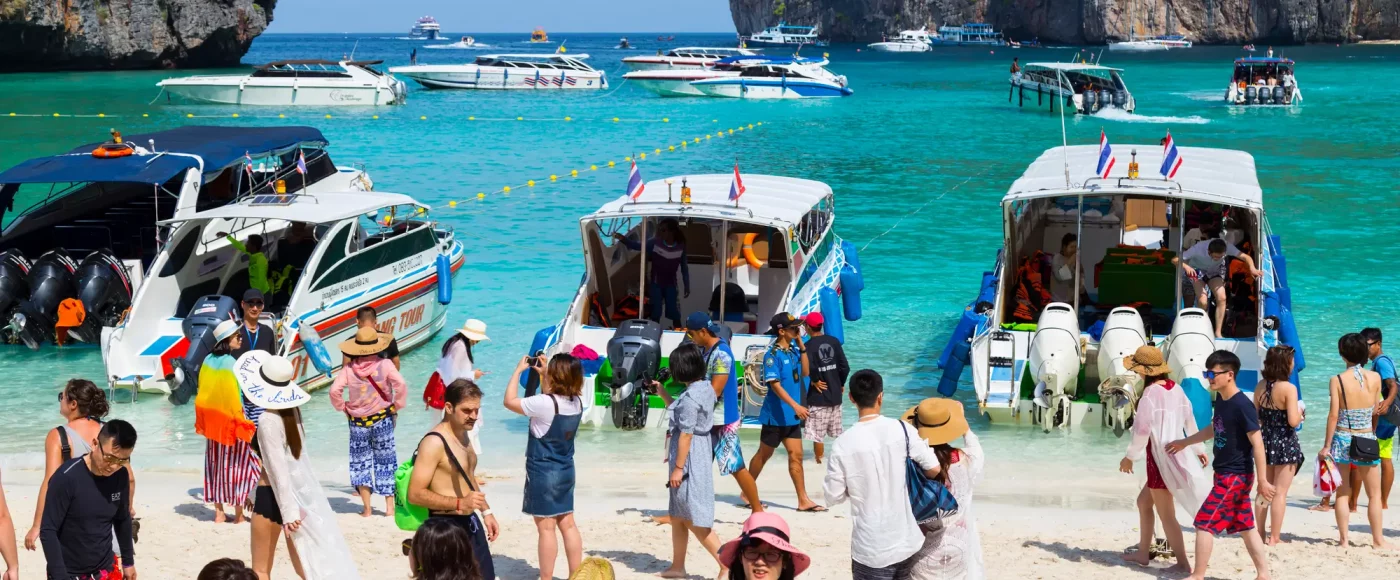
(1089, 21)
(38, 35)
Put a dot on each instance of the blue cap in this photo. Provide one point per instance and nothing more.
(697, 321)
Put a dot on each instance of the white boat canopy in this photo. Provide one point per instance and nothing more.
(318, 208)
(536, 56)
(767, 199)
(1211, 175)
(1071, 66)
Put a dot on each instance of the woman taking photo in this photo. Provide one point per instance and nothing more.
(1354, 393)
(288, 497)
(231, 468)
(1279, 416)
(370, 392)
(952, 549)
(763, 551)
(549, 455)
(689, 455)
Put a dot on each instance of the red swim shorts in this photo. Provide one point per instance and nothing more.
(1227, 509)
(1154, 475)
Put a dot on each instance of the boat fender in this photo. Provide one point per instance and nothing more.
(444, 279)
(315, 348)
(852, 257)
(829, 303)
(851, 285)
(1200, 401)
(541, 341)
(112, 150)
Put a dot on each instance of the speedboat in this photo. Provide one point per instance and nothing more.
(539, 35)
(623, 44)
(294, 82)
(907, 41)
(1084, 88)
(1136, 45)
(1171, 41)
(773, 250)
(106, 209)
(1263, 81)
(970, 34)
(509, 71)
(678, 82)
(426, 28)
(365, 248)
(784, 35)
(686, 57)
(1130, 228)
(777, 78)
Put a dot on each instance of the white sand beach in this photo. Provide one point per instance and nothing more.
(1067, 524)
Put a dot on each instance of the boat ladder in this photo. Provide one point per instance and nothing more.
(1001, 363)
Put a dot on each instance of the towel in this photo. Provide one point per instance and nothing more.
(218, 407)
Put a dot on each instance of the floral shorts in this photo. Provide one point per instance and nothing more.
(1227, 509)
(822, 422)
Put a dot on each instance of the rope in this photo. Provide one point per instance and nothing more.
(921, 208)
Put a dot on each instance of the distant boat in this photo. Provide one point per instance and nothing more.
(907, 41)
(784, 34)
(294, 82)
(623, 44)
(426, 28)
(970, 34)
(686, 57)
(509, 71)
(539, 35)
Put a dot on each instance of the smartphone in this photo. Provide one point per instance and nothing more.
(684, 476)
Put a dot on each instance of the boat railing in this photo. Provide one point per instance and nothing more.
(1127, 183)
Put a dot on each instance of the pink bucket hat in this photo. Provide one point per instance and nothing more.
(771, 529)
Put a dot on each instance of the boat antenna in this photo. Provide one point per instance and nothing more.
(1064, 139)
(354, 48)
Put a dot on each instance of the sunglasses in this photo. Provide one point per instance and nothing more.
(772, 557)
(254, 304)
(1209, 375)
(112, 458)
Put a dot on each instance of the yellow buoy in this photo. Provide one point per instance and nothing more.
(520, 118)
(615, 119)
(697, 140)
(642, 155)
(451, 204)
(506, 189)
(281, 116)
(707, 137)
(658, 150)
(665, 119)
(530, 183)
(100, 115)
(480, 195)
(629, 158)
(671, 148)
(420, 118)
(760, 123)
(731, 131)
(685, 144)
(592, 167)
(714, 120)
(471, 118)
(376, 116)
(568, 118)
(12, 114)
(750, 125)
(187, 115)
(142, 114)
(611, 164)
(573, 173)
(328, 116)
(741, 128)
(553, 177)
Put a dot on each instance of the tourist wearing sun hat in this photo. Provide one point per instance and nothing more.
(230, 466)
(370, 392)
(955, 550)
(763, 550)
(289, 496)
(458, 362)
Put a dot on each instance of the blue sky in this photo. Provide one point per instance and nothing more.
(504, 16)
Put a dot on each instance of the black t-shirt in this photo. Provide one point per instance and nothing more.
(81, 511)
(1235, 418)
(827, 362)
(263, 339)
(392, 351)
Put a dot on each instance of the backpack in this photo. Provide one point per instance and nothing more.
(409, 517)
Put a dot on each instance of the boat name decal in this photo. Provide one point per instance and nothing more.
(408, 265)
(345, 287)
(342, 96)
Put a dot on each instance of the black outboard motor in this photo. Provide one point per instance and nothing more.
(1091, 102)
(635, 354)
(105, 290)
(207, 313)
(50, 282)
(1105, 98)
(1250, 94)
(1120, 98)
(1265, 95)
(14, 289)
(1278, 95)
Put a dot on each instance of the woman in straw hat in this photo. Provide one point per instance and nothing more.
(1163, 415)
(458, 362)
(594, 568)
(952, 548)
(763, 551)
(230, 467)
(370, 392)
(289, 496)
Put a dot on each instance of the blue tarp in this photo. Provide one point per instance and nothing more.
(219, 147)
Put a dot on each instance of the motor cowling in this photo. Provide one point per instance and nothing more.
(1091, 101)
(51, 281)
(1251, 94)
(1278, 95)
(1120, 98)
(105, 291)
(14, 288)
(1105, 98)
(198, 328)
(635, 355)
(1266, 95)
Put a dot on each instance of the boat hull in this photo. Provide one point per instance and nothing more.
(486, 79)
(1137, 46)
(674, 83)
(283, 92)
(752, 43)
(641, 63)
(747, 89)
(899, 47)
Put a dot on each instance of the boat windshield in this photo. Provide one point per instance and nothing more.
(301, 70)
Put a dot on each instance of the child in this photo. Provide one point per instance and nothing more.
(1239, 460)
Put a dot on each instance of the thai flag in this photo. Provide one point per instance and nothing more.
(634, 183)
(248, 163)
(1106, 158)
(1171, 157)
(301, 162)
(736, 189)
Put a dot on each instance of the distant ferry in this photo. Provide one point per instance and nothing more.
(426, 28)
(783, 34)
(970, 34)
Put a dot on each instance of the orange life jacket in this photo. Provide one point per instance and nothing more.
(1031, 295)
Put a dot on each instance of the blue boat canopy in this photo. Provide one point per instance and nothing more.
(218, 147)
(1263, 60)
(754, 59)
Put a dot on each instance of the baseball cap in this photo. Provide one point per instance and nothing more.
(781, 320)
(252, 294)
(814, 319)
(697, 321)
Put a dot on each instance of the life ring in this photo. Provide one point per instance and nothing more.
(112, 150)
(747, 254)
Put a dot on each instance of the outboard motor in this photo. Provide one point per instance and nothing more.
(1265, 95)
(1105, 98)
(50, 282)
(207, 313)
(14, 289)
(1250, 94)
(1120, 98)
(635, 354)
(105, 290)
(1091, 102)
(1278, 95)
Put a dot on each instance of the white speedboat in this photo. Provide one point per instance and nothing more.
(426, 28)
(294, 82)
(1171, 41)
(907, 41)
(1084, 88)
(783, 35)
(1137, 46)
(1260, 80)
(677, 83)
(777, 78)
(774, 250)
(1130, 227)
(509, 71)
(686, 57)
(366, 248)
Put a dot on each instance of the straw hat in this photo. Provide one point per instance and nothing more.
(474, 330)
(593, 568)
(367, 341)
(267, 380)
(771, 529)
(939, 421)
(1147, 361)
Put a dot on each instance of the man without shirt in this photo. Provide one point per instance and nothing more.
(444, 474)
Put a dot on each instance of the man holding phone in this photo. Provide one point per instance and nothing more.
(784, 369)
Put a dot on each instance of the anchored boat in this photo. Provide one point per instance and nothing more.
(340, 250)
(791, 77)
(684, 58)
(426, 28)
(1083, 88)
(1043, 354)
(294, 82)
(509, 71)
(907, 41)
(783, 35)
(970, 34)
(1263, 81)
(772, 251)
(88, 223)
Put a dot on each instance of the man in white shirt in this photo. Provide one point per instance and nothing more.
(867, 467)
(1204, 264)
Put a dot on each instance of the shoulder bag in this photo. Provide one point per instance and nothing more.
(1363, 449)
(929, 498)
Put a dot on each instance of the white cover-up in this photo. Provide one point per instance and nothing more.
(320, 545)
(1164, 416)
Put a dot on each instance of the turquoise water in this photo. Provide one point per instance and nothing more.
(931, 132)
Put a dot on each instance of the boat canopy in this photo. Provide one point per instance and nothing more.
(1073, 67)
(753, 59)
(1210, 175)
(767, 199)
(285, 63)
(317, 208)
(1262, 61)
(207, 147)
(534, 57)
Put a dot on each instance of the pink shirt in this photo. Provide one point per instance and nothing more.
(353, 394)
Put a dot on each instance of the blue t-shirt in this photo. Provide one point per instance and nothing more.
(784, 366)
(720, 360)
(1386, 369)
(1235, 418)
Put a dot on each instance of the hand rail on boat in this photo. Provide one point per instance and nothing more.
(1119, 181)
